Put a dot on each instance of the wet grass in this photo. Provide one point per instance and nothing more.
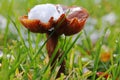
(25, 56)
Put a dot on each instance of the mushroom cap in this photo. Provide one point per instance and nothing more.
(69, 23)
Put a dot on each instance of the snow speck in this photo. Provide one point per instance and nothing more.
(1, 54)
(3, 22)
(110, 18)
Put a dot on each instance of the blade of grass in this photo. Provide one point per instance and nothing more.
(88, 41)
(30, 46)
(8, 21)
(64, 42)
(6, 33)
(116, 70)
(67, 51)
(71, 61)
(97, 54)
(37, 41)
(18, 30)
(81, 49)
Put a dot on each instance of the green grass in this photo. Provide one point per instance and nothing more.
(25, 56)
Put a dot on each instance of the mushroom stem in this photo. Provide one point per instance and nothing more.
(50, 46)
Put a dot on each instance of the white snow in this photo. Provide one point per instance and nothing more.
(3, 22)
(110, 18)
(44, 12)
(1, 54)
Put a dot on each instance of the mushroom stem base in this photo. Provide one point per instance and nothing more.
(51, 45)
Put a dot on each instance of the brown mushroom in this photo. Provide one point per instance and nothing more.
(69, 23)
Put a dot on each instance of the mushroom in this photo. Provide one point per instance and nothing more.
(56, 19)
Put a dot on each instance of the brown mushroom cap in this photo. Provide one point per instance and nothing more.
(67, 24)
(71, 23)
(36, 26)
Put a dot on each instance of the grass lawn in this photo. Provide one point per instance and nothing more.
(92, 54)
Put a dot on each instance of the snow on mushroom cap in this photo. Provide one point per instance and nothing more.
(44, 12)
